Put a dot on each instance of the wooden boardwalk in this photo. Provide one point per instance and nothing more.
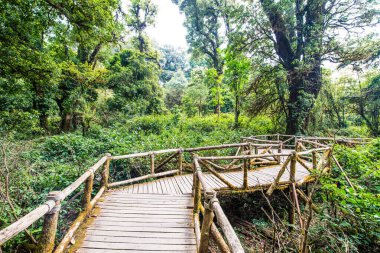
(142, 223)
(156, 216)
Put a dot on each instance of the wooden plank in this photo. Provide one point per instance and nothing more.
(142, 224)
(159, 199)
(146, 219)
(165, 182)
(188, 182)
(136, 246)
(143, 229)
(122, 234)
(146, 216)
(232, 180)
(180, 186)
(175, 185)
(166, 241)
(148, 211)
(149, 197)
(171, 186)
(183, 184)
(87, 250)
(211, 183)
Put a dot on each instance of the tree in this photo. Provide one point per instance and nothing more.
(367, 104)
(40, 38)
(299, 35)
(174, 90)
(142, 13)
(172, 60)
(207, 26)
(134, 81)
(237, 76)
(196, 93)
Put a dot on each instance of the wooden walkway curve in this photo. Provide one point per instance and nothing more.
(157, 215)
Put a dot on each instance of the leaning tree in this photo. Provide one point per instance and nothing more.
(298, 35)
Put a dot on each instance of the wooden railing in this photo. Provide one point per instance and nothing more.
(210, 209)
(50, 210)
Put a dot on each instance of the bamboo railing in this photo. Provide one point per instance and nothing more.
(254, 151)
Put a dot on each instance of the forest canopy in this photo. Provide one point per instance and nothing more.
(67, 65)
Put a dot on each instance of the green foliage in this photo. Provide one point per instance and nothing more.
(354, 216)
(52, 163)
(174, 89)
(135, 84)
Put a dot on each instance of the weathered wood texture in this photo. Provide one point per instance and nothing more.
(158, 215)
(182, 184)
(141, 222)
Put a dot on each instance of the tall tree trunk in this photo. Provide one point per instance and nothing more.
(40, 105)
(237, 109)
(303, 90)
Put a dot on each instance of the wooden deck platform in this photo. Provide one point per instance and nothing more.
(179, 185)
(156, 216)
(142, 223)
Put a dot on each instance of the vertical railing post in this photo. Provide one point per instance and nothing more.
(49, 228)
(245, 179)
(180, 161)
(245, 173)
(106, 171)
(86, 201)
(208, 218)
(314, 153)
(152, 163)
(197, 195)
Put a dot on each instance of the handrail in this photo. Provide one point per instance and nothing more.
(212, 207)
(50, 209)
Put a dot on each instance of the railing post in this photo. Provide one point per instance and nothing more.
(197, 194)
(293, 163)
(106, 172)
(314, 153)
(86, 201)
(208, 218)
(152, 163)
(245, 179)
(180, 160)
(49, 228)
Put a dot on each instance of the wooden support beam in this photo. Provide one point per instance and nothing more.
(208, 218)
(86, 201)
(343, 172)
(106, 171)
(164, 162)
(152, 163)
(180, 160)
(49, 228)
(279, 175)
(216, 174)
(245, 174)
(314, 157)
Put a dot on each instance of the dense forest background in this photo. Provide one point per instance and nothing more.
(82, 78)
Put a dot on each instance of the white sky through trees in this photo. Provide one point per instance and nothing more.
(169, 29)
